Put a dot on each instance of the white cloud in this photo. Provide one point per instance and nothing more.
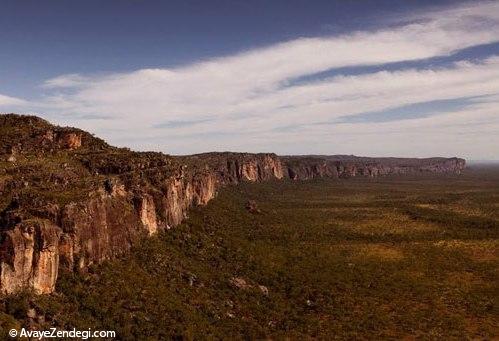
(350, 95)
(240, 101)
(12, 102)
(65, 81)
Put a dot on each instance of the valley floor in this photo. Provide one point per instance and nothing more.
(390, 257)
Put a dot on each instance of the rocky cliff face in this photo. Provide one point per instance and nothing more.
(69, 200)
(306, 167)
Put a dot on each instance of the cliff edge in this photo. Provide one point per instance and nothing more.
(69, 200)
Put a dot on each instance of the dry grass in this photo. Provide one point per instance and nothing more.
(391, 222)
(480, 251)
(382, 252)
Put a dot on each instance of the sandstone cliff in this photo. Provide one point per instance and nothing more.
(69, 200)
(338, 166)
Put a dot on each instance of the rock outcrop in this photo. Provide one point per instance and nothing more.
(69, 200)
(30, 256)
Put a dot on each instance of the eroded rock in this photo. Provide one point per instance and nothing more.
(29, 257)
(240, 283)
(252, 206)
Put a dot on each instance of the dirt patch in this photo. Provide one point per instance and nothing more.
(383, 252)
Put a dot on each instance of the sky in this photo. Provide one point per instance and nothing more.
(371, 78)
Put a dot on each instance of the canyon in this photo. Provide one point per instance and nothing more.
(69, 200)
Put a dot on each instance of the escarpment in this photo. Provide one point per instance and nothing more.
(339, 166)
(69, 200)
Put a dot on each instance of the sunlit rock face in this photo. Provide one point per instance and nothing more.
(29, 257)
(68, 200)
(147, 213)
(69, 140)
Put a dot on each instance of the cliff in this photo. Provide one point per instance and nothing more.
(339, 166)
(69, 200)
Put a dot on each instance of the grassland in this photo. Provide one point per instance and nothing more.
(389, 258)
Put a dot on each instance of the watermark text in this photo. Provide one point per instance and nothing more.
(55, 333)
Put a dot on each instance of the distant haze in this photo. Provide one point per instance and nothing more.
(483, 162)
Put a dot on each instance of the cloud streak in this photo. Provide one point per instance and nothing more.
(8, 101)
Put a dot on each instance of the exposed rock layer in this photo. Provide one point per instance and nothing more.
(69, 200)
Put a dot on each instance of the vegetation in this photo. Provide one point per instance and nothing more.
(389, 257)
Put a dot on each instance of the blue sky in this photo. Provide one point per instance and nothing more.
(398, 78)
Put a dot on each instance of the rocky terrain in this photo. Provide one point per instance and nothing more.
(69, 200)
